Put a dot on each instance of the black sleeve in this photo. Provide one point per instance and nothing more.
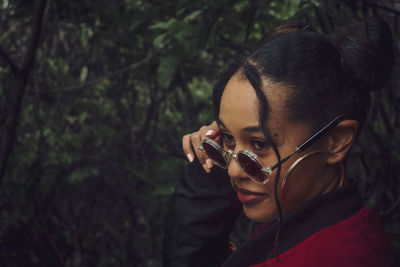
(201, 216)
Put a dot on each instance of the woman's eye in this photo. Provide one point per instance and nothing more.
(227, 139)
(259, 145)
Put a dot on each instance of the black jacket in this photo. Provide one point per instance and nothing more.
(201, 216)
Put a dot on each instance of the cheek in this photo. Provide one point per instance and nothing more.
(299, 181)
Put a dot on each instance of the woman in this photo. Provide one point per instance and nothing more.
(286, 118)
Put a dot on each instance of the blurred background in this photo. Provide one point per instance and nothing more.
(95, 97)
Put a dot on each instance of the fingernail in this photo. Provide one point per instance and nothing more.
(206, 168)
(209, 163)
(190, 157)
(209, 132)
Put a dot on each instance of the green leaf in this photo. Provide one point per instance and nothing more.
(81, 174)
(135, 24)
(158, 42)
(166, 70)
(84, 73)
(163, 25)
(83, 116)
(165, 190)
(192, 16)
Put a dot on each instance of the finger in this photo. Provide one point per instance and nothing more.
(201, 155)
(212, 130)
(196, 142)
(207, 166)
(217, 139)
(206, 169)
(207, 131)
(210, 133)
(202, 132)
(187, 147)
(209, 163)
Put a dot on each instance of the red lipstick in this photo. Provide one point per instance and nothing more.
(249, 197)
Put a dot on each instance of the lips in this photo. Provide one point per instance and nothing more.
(247, 197)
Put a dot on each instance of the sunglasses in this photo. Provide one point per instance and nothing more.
(248, 160)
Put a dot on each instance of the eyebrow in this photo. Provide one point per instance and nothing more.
(249, 129)
(252, 129)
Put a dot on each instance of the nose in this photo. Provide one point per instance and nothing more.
(234, 169)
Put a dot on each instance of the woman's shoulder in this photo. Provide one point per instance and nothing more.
(363, 230)
(359, 240)
(362, 222)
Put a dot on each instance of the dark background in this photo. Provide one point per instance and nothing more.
(96, 95)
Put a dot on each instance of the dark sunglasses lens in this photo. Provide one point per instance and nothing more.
(215, 154)
(251, 167)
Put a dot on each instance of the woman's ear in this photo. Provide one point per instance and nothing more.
(340, 140)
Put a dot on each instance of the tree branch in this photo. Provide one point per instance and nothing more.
(231, 44)
(15, 94)
(10, 61)
(112, 74)
(387, 9)
(36, 31)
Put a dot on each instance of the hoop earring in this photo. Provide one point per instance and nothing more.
(290, 170)
(341, 181)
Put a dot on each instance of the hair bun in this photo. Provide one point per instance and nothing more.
(366, 51)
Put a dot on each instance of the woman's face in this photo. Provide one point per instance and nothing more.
(240, 130)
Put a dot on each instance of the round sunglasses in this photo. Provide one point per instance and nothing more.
(248, 160)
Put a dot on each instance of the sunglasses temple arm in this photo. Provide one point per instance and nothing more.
(281, 162)
(304, 145)
(307, 142)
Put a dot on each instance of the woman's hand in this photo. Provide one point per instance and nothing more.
(192, 142)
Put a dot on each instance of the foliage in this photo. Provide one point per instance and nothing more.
(114, 87)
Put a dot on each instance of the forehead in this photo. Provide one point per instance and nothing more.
(239, 103)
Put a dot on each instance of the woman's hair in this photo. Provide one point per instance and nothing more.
(325, 76)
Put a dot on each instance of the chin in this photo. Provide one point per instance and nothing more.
(260, 214)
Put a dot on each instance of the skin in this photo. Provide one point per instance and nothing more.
(238, 129)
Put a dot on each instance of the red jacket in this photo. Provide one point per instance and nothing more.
(332, 230)
(356, 241)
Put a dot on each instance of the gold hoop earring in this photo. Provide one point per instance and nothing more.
(341, 178)
(290, 170)
(341, 181)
